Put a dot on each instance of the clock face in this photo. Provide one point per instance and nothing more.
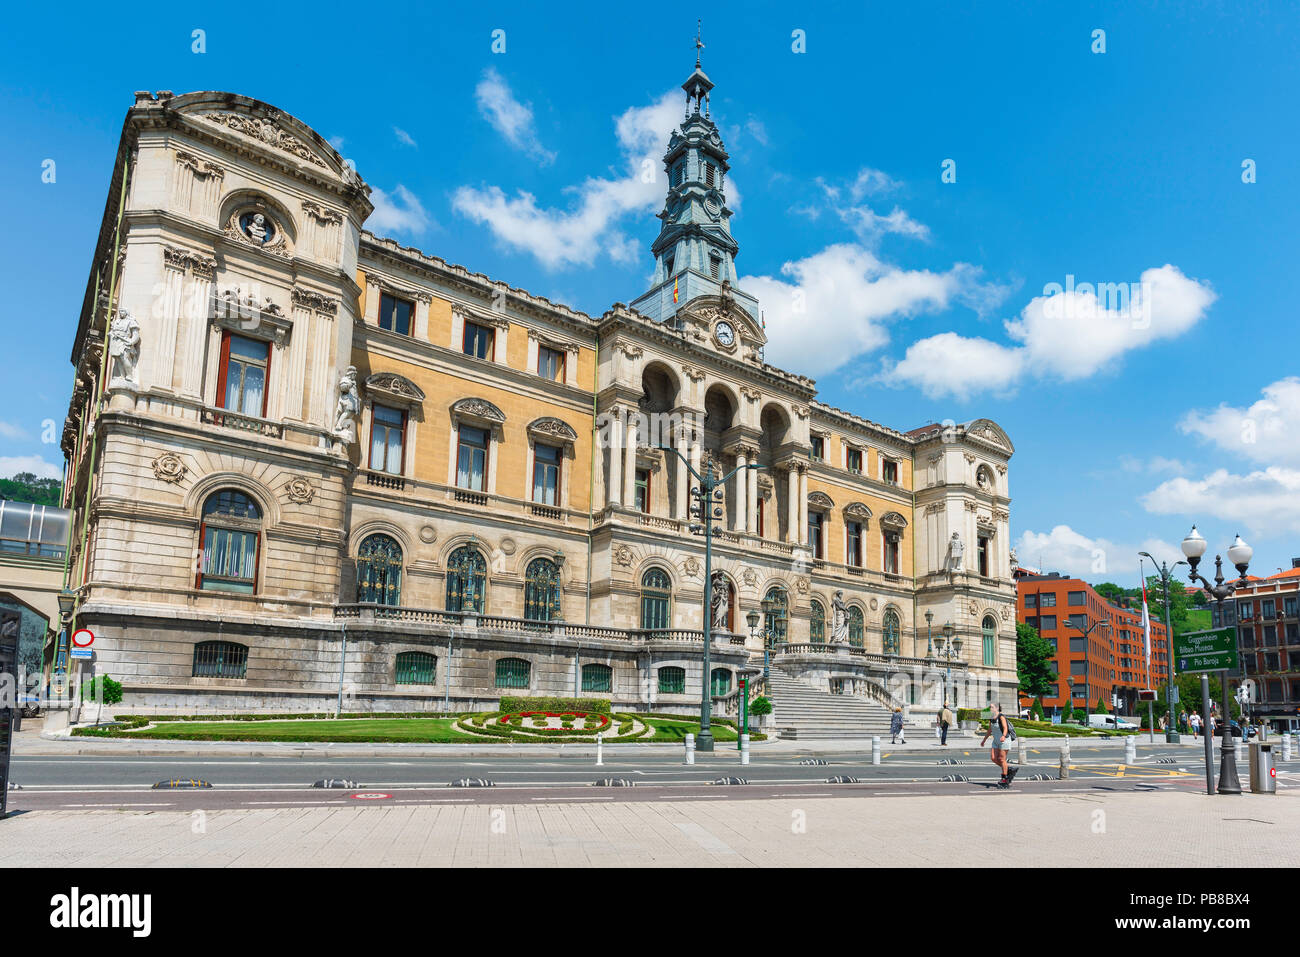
(726, 335)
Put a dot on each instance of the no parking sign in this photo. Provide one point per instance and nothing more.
(82, 639)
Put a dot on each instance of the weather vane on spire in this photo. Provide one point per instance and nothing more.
(699, 43)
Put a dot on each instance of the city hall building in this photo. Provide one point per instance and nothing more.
(302, 457)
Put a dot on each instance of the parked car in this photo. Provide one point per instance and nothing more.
(1104, 721)
(1236, 730)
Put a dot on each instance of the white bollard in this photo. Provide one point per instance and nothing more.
(744, 749)
(1130, 750)
(690, 749)
(1286, 746)
(600, 745)
(875, 749)
(1022, 755)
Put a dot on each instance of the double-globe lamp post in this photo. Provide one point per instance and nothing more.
(707, 505)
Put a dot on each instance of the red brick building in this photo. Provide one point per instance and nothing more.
(1110, 659)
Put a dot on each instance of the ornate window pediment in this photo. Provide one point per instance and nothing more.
(241, 313)
(893, 523)
(480, 412)
(858, 511)
(550, 429)
(820, 500)
(395, 388)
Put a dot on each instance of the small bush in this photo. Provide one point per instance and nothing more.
(760, 706)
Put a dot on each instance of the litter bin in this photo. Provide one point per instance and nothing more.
(1263, 776)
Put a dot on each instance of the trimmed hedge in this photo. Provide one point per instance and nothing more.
(510, 703)
(295, 716)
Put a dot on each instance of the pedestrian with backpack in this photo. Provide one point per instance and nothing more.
(1003, 734)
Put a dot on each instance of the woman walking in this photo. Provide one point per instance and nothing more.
(896, 735)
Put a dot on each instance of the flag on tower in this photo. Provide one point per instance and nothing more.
(674, 290)
(1146, 621)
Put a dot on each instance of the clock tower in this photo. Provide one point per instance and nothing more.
(695, 254)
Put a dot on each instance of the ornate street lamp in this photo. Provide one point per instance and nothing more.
(929, 637)
(948, 648)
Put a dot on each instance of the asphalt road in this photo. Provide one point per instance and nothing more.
(93, 781)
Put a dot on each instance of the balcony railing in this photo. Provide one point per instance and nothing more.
(385, 480)
(469, 498)
(226, 419)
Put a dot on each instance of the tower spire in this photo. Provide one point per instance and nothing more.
(699, 43)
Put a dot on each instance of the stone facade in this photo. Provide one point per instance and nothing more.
(362, 422)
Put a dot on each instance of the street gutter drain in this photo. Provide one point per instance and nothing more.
(731, 781)
(817, 762)
(841, 779)
(472, 783)
(179, 784)
(954, 777)
(615, 783)
(337, 783)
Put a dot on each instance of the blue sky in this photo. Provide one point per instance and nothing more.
(925, 299)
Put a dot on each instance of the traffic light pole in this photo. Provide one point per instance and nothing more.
(705, 504)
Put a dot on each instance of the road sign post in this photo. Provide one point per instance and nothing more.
(1213, 650)
(9, 626)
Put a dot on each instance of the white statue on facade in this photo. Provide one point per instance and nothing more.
(721, 603)
(257, 228)
(839, 620)
(123, 349)
(956, 549)
(348, 408)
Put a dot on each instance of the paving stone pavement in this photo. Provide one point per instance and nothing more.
(1089, 829)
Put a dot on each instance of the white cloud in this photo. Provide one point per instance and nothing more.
(867, 224)
(9, 431)
(404, 137)
(1265, 502)
(509, 117)
(953, 365)
(1157, 463)
(1069, 335)
(13, 465)
(1267, 431)
(336, 142)
(1092, 559)
(400, 212)
(590, 226)
(870, 182)
(757, 130)
(832, 306)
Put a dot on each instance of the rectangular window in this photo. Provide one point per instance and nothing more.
(1078, 621)
(642, 490)
(1076, 598)
(1289, 607)
(889, 472)
(1049, 622)
(818, 449)
(395, 314)
(990, 651)
(1031, 601)
(1031, 621)
(815, 522)
(550, 363)
(853, 459)
(891, 553)
(708, 174)
(1247, 637)
(480, 341)
(672, 680)
(715, 267)
(471, 459)
(546, 475)
(229, 560)
(1244, 609)
(984, 556)
(1271, 662)
(244, 366)
(1079, 644)
(1047, 599)
(387, 432)
(1270, 635)
(1078, 667)
(853, 550)
(1293, 634)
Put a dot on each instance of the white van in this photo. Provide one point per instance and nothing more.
(1107, 721)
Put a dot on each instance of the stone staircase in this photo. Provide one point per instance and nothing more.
(804, 713)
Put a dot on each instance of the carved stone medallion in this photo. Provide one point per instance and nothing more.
(169, 468)
(299, 490)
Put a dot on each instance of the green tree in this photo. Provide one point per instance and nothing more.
(26, 487)
(1110, 591)
(104, 690)
(1035, 665)
(1101, 706)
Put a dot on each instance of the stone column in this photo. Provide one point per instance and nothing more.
(792, 507)
(681, 506)
(614, 490)
(191, 353)
(803, 505)
(630, 440)
(751, 503)
(296, 374)
(697, 448)
(164, 348)
(742, 485)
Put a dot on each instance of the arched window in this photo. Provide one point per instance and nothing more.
(857, 627)
(990, 635)
(379, 571)
(776, 608)
(720, 681)
(466, 580)
(597, 678)
(656, 599)
(220, 659)
(672, 680)
(416, 668)
(890, 631)
(542, 590)
(230, 533)
(513, 673)
(817, 623)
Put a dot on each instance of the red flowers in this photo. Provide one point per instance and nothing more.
(601, 721)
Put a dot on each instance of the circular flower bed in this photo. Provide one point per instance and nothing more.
(526, 721)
